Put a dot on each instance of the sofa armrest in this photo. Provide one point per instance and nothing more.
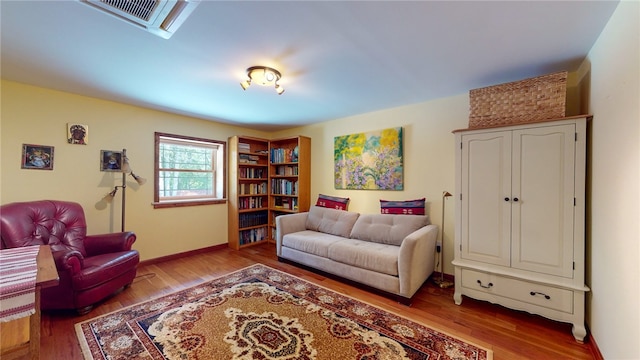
(416, 261)
(109, 243)
(287, 224)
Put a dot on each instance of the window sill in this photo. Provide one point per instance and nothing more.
(181, 203)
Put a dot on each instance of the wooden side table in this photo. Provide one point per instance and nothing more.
(47, 276)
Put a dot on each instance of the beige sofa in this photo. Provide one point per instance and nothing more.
(391, 253)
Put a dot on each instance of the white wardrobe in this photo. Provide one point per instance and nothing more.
(520, 218)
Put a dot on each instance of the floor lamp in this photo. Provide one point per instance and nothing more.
(126, 169)
(441, 282)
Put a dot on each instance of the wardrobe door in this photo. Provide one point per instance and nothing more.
(485, 194)
(543, 199)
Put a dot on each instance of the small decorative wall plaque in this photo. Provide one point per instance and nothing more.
(77, 134)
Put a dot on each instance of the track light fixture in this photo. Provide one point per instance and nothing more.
(263, 75)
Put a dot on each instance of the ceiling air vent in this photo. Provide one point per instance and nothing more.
(159, 17)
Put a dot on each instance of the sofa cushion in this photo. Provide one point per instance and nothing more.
(407, 207)
(387, 229)
(331, 221)
(311, 242)
(368, 255)
(333, 202)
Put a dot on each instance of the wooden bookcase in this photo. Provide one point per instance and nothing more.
(289, 178)
(248, 209)
(267, 178)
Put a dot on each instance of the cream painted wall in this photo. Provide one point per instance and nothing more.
(34, 115)
(428, 157)
(614, 316)
(428, 145)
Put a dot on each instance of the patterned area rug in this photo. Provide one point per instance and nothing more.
(262, 313)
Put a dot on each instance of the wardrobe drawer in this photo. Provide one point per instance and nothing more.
(520, 290)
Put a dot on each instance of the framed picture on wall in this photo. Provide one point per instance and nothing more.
(77, 134)
(110, 160)
(369, 161)
(39, 157)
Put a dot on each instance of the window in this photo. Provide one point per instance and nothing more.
(188, 171)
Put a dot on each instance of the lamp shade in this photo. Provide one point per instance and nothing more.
(139, 179)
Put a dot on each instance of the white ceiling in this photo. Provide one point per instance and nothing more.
(338, 58)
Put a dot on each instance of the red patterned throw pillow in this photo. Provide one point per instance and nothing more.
(332, 202)
(408, 207)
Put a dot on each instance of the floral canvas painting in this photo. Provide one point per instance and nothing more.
(369, 161)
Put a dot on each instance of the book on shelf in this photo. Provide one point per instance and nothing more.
(251, 189)
(252, 173)
(285, 203)
(252, 202)
(287, 170)
(282, 155)
(253, 219)
(284, 187)
(248, 159)
(253, 235)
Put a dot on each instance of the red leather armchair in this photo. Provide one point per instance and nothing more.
(90, 267)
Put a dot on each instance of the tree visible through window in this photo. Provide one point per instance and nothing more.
(189, 171)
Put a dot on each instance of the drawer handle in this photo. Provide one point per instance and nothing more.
(483, 286)
(534, 293)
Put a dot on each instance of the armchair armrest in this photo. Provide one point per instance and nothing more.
(416, 261)
(68, 260)
(287, 224)
(108, 243)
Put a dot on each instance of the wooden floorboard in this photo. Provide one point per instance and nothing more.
(510, 334)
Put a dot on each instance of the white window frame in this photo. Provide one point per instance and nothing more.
(218, 171)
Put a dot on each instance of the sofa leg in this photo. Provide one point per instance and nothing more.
(404, 301)
(85, 310)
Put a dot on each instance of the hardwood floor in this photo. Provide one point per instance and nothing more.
(510, 334)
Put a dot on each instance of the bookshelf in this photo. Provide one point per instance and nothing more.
(248, 209)
(289, 178)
